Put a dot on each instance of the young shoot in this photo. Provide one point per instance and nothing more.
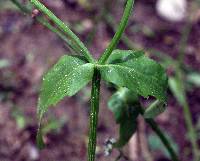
(124, 68)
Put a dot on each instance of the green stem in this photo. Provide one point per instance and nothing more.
(61, 25)
(125, 39)
(183, 42)
(94, 114)
(186, 108)
(44, 22)
(21, 7)
(188, 118)
(191, 131)
(69, 43)
(162, 136)
(118, 34)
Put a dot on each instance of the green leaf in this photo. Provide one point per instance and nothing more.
(136, 72)
(121, 100)
(116, 105)
(127, 128)
(119, 56)
(65, 78)
(176, 87)
(154, 109)
(125, 106)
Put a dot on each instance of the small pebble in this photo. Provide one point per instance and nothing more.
(33, 153)
(172, 10)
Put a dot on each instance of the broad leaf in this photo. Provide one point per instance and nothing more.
(119, 56)
(116, 105)
(121, 100)
(154, 109)
(125, 106)
(65, 78)
(127, 128)
(136, 72)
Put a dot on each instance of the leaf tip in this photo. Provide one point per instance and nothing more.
(39, 139)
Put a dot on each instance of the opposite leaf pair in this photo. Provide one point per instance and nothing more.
(131, 69)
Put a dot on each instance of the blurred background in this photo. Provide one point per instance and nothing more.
(168, 31)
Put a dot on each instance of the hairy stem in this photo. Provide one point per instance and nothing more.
(94, 114)
(61, 25)
(118, 34)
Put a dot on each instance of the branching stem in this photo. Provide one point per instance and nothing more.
(61, 25)
(118, 34)
(45, 23)
(95, 92)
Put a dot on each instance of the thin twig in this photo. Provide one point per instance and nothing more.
(63, 27)
(44, 22)
(119, 32)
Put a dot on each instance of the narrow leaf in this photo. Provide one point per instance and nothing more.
(138, 73)
(154, 109)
